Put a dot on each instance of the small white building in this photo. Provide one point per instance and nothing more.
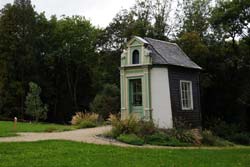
(159, 82)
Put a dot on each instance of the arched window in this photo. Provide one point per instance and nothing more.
(135, 57)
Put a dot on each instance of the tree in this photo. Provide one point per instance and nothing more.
(17, 34)
(231, 19)
(162, 25)
(34, 105)
(195, 16)
(107, 102)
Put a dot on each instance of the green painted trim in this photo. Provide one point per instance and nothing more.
(130, 71)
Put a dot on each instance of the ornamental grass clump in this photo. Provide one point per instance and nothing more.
(85, 120)
(127, 126)
(131, 125)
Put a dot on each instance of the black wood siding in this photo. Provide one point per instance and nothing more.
(191, 117)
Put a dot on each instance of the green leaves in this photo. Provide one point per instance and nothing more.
(34, 105)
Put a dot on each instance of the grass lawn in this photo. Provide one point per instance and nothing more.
(74, 154)
(7, 128)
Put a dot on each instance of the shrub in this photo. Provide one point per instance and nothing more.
(157, 139)
(209, 139)
(223, 129)
(85, 120)
(163, 139)
(127, 126)
(185, 136)
(241, 138)
(107, 102)
(50, 129)
(146, 128)
(130, 139)
(86, 124)
(131, 126)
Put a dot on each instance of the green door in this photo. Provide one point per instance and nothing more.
(135, 97)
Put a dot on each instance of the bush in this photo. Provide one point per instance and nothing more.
(50, 129)
(85, 120)
(146, 128)
(223, 129)
(210, 140)
(157, 139)
(86, 124)
(241, 138)
(107, 102)
(163, 139)
(127, 126)
(131, 126)
(130, 139)
(183, 135)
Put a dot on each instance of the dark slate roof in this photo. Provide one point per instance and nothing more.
(169, 53)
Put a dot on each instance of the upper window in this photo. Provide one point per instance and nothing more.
(186, 95)
(136, 92)
(135, 57)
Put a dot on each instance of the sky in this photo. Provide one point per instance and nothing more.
(99, 12)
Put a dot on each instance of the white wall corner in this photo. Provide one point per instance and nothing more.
(160, 97)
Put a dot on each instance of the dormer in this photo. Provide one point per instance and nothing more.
(136, 53)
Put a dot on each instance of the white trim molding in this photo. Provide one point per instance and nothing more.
(188, 97)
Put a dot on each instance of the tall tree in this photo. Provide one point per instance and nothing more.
(17, 30)
(231, 19)
(195, 16)
(71, 61)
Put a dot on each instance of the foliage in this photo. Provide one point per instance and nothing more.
(85, 120)
(127, 126)
(131, 125)
(183, 135)
(86, 124)
(146, 128)
(223, 129)
(240, 138)
(196, 14)
(107, 102)
(34, 105)
(147, 131)
(130, 139)
(71, 59)
(17, 54)
(164, 139)
(209, 139)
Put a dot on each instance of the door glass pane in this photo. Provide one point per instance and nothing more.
(136, 92)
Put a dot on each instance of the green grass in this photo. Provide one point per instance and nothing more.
(74, 154)
(7, 128)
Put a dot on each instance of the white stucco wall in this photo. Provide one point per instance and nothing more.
(160, 97)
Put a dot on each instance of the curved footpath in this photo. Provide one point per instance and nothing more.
(89, 135)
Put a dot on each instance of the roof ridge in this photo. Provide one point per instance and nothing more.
(172, 43)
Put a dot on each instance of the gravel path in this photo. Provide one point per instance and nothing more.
(89, 135)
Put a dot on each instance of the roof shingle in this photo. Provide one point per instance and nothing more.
(169, 53)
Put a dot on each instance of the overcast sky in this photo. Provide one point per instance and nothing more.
(100, 12)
